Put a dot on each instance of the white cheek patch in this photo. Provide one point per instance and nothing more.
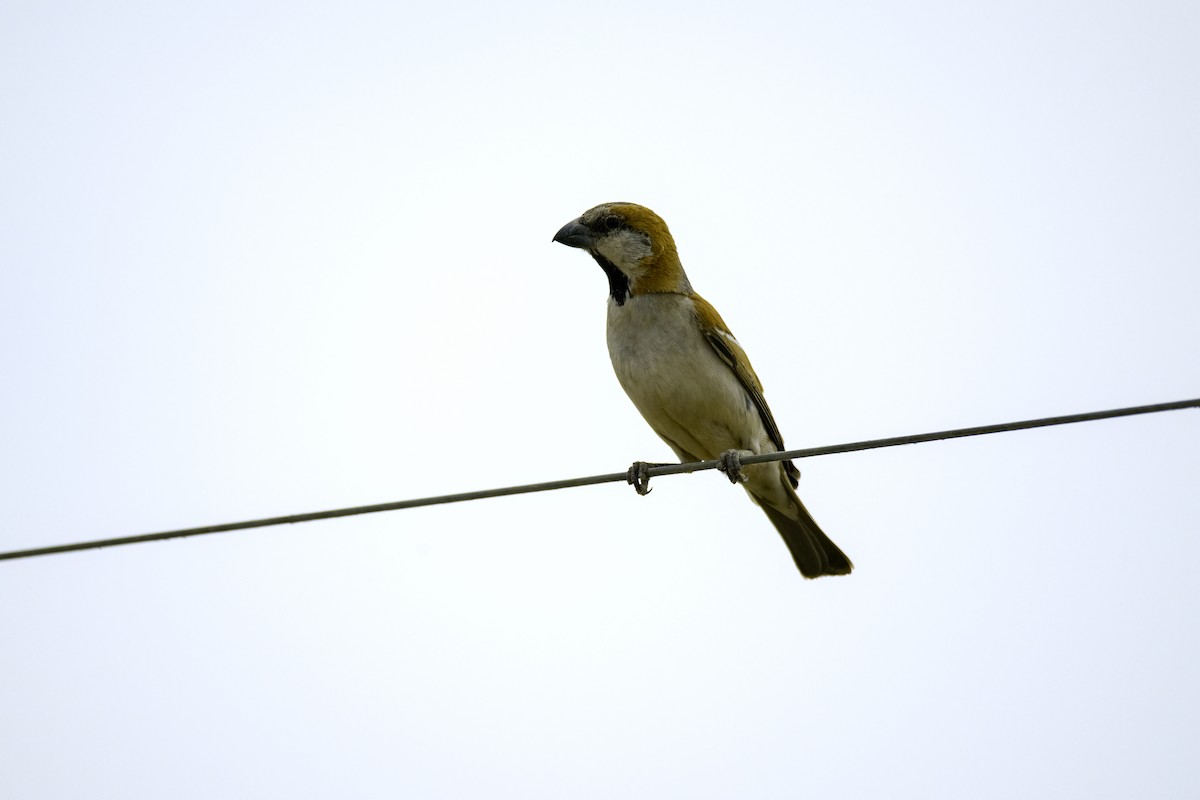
(625, 248)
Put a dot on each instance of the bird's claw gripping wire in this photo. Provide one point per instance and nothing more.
(638, 476)
(730, 462)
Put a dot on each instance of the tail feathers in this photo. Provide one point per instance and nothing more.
(814, 552)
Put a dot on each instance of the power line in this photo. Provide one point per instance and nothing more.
(612, 477)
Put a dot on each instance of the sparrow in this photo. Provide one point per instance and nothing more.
(688, 376)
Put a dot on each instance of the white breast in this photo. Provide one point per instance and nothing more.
(690, 397)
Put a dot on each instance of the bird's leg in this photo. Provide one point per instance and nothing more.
(730, 462)
(639, 476)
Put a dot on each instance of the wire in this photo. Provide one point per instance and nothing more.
(612, 477)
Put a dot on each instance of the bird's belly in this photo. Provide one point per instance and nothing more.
(687, 394)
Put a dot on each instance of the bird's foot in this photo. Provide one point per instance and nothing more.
(638, 476)
(730, 462)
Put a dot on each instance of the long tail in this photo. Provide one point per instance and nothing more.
(814, 552)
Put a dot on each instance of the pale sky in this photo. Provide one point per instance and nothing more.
(262, 259)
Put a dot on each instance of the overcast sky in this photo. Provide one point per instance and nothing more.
(260, 259)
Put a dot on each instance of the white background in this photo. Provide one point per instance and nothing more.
(261, 259)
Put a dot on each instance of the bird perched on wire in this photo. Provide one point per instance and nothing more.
(680, 365)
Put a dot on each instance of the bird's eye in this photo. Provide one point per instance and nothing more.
(612, 222)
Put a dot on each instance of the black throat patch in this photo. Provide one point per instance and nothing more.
(618, 283)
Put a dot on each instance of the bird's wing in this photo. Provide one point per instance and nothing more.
(726, 346)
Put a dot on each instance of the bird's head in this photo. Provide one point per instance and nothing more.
(632, 245)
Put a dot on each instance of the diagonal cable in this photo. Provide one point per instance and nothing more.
(612, 477)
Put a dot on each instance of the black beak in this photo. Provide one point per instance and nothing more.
(574, 234)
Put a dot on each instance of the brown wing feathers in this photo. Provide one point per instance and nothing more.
(726, 346)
